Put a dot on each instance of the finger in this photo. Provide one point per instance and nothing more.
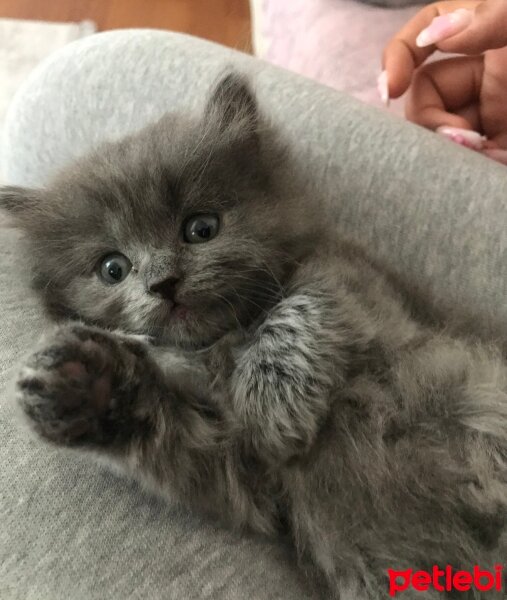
(444, 88)
(498, 141)
(491, 145)
(402, 55)
(487, 31)
(498, 155)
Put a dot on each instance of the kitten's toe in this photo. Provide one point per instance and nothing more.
(65, 390)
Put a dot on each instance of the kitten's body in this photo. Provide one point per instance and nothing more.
(309, 394)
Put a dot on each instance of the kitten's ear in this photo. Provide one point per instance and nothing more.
(20, 205)
(233, 106)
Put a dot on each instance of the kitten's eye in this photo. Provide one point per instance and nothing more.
(114, 268)
(200, 229)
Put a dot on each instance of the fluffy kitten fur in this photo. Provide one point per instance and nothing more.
(301, 391)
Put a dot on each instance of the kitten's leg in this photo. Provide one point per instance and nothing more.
(88, 388)
(148, 409)
(281, 378)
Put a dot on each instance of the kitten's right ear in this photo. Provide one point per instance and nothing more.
(18, 204)
(233, 104)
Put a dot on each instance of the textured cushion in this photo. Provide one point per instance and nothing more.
(435, 211)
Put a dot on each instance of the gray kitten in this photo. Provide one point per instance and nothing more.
(217, 342)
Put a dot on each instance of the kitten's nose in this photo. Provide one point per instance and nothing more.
(164, 289)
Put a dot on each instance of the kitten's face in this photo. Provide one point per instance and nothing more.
(179, 232)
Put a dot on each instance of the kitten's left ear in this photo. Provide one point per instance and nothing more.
(233, 106)
(21, 205)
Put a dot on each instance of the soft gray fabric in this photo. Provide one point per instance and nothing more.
(434, 211)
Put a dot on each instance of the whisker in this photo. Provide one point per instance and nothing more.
(233, 310)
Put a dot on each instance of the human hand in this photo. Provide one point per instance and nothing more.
(455, 96)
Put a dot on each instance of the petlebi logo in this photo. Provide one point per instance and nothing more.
(446, 579)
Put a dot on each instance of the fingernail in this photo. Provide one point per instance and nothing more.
(498, 155)
(383, 88)
(463, 137)
(444, 27)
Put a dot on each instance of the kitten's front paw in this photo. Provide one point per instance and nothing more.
(74, 387)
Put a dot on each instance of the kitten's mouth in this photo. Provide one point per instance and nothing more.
(178, 311)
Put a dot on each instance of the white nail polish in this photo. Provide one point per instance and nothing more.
(383, 88)
(444, 26)
(423, 39)
(464, 137)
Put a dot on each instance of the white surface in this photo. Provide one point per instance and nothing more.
(23, 45)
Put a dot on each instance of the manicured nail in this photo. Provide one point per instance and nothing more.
(463, 137)
(444, 27)
(498, 155)
(383, 88)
